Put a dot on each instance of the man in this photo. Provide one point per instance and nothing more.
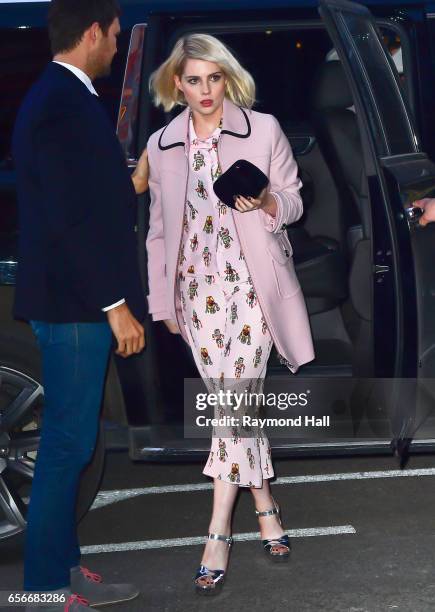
(78, 281)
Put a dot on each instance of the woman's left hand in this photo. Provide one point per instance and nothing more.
(264, 202)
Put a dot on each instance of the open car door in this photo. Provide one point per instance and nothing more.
(398, 173)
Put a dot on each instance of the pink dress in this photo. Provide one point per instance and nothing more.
(227, 332)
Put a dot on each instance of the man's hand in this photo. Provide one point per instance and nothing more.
(128, 332)
(428, 207)
(172, 326)
(141, 174)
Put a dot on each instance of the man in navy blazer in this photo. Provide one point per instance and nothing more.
(78, 281)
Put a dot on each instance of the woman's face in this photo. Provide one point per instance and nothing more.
(203, 86)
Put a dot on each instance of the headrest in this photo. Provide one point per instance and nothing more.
(331, 88)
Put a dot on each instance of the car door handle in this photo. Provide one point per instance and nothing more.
(413, 214)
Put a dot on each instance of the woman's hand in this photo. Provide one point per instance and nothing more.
(264, 202)
(172, 326)
(141, 173)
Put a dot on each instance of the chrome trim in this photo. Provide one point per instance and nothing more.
(130, 95)
(8, 272)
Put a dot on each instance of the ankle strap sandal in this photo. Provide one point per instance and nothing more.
(277, 549)
(215, 578)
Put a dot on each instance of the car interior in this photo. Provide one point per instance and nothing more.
(301, 81)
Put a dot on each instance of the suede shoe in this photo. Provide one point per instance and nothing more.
(91, 587)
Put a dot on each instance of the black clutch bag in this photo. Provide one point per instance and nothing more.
(242, 178)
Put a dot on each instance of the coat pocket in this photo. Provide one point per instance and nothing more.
(285, 276)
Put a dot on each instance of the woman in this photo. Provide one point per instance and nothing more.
(224, 280)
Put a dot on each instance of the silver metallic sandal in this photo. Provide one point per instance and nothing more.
(283, 543)
(217, 576)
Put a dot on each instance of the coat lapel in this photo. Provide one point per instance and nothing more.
(172, 143)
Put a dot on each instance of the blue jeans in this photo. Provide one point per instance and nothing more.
(74, 363)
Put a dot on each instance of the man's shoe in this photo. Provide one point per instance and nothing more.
(91, 587)
(72, 603)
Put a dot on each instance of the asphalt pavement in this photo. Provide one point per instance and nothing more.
(363, 537)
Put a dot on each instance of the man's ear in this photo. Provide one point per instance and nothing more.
(94, 33)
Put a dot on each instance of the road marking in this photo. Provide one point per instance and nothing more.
(105, 498)
(239, 537)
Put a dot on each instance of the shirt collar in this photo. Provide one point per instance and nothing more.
(80, 75)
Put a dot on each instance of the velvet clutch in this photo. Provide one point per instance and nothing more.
(242, 178)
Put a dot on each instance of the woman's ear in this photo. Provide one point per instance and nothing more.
(177, 81)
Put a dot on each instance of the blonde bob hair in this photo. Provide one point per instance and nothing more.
(240, 86)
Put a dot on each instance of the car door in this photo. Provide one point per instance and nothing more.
(398, 173)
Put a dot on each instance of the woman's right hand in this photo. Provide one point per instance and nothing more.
(172, 326)
(141, 174)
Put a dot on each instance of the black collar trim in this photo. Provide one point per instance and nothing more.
(235, 134)
(171, 146)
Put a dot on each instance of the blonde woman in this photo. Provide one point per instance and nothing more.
(224, 279)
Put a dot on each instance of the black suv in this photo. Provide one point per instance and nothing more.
(353, 90)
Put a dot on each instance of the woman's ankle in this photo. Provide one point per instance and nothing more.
(220, 528)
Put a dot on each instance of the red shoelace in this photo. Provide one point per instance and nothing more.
(75, 598)
(90, 575)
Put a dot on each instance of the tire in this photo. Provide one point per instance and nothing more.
(21, 404)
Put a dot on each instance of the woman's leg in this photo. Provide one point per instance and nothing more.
(215, 554)
(204, 320)
(270, 527)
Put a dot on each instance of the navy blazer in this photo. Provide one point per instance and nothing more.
(77, 206)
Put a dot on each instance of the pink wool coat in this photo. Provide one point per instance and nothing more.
(257, 137)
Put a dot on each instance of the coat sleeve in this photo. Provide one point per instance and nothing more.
(81, 215)
(284, 183)
(155, 244)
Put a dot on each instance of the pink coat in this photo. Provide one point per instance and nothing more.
(258, 138)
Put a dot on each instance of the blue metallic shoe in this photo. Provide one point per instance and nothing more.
(215, 578)
(277, 549)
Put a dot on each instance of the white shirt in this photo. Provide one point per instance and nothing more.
(87, 81)
(80, 75)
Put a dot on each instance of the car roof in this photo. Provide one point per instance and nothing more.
(33, 13)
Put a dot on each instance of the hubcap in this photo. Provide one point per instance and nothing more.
(20, 414)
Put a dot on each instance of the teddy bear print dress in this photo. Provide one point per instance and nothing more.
(228, 335)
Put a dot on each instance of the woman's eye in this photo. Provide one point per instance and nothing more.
(192, 81)
(215, 77)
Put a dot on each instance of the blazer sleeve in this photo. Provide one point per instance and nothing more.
(81, 216)
(155, 245)
(284, 183)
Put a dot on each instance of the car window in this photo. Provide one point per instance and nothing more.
(283, 64)
(387, 111)
(23, 55)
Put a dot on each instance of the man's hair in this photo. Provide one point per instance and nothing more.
(68, 20)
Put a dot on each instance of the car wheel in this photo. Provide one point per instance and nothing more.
(21, 408)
